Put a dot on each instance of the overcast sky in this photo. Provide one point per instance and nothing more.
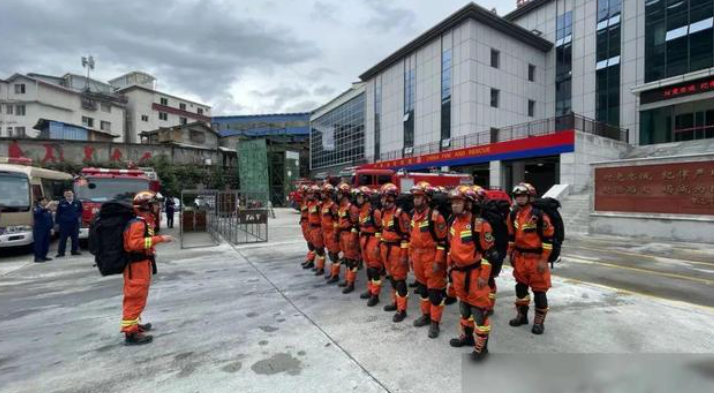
(240, 56)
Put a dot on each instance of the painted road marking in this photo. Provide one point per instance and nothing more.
(630, 254)
(655, 272)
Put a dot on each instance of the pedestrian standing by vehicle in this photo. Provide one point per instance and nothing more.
(69, 213)
(42, 229)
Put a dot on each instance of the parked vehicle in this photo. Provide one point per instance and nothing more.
(375, 178)
(20, 185)
(98, 185)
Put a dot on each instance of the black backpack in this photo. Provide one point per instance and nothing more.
(440, 201)
(106, 237)
(496, 213)
(405, 202)
(550, 207)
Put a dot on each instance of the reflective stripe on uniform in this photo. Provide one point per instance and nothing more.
(129, 322)
(148, 242)
(547, 246)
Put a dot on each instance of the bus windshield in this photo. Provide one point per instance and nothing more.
(14, 192)
(104, 190)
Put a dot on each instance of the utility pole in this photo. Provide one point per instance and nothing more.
(88, 63)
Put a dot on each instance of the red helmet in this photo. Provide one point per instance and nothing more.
(344, 188)
(524, 189)
(143, 199)
(366, 190)
(422, 188)
(389, 189)
(303, 189)
(313, 189)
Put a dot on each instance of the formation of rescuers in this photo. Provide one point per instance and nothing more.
(449, 255)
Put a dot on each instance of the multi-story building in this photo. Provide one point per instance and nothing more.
(149, 109)
(337, 136)
(26, 100)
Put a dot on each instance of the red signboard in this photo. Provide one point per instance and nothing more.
(680, 90)
(680, 188)
(550, 144)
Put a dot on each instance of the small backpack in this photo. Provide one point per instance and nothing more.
(106, 237)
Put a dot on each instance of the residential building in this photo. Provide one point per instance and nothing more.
(27, 99)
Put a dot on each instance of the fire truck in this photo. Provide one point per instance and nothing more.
(375, 178)
(94, 186)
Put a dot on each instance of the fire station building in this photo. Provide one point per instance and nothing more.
(548, 93)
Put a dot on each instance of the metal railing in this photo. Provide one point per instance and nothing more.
(548, 126)
(238, 217)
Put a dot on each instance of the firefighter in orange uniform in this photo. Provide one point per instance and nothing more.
(329, 221)
(482, 198)
(427, 246)
(139, 242)
(348, 229)
(305, 226)
(530, 244)
(370, 234)
(470, 271)
(395, 249)
(315, 224)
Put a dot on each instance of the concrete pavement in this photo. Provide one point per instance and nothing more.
(249, 319)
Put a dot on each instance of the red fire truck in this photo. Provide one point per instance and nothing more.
(375, 178)
(95, 186)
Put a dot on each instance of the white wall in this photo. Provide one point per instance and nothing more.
(575, 167)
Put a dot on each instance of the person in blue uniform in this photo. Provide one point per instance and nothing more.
(42, 229)
(69, 213)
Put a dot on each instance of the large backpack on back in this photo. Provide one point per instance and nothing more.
(496, 213)
(550, 207)
(106, 237)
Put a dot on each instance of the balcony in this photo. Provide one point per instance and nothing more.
(548, 126)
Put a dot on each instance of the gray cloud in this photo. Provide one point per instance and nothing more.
(324, 90)
(325, 12)
(281, 96)
(202, 46)
(387, 16)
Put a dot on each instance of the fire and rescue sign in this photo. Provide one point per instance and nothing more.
(680, 188)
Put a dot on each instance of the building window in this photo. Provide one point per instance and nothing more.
(199, 111)
(679, 37)
(607, 66)
(87, 122)
(106, 108)
(409, 95)
(105, 125)
(163, 116)
(10, 109)
(144, 118)
(494, 135)
(197, 137)
(164, 101)
(495, 93)
(337, 137)
(182, 121)
(531, 72)
(563, 63)
(182, 106)
(20, 132)
(9, 131)
(19, 88)
(495, 58)
(20, 110)
(377, 117)
(446, 69)
(531, 108)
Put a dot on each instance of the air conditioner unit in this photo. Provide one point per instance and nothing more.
(408, 150)
(446, 142)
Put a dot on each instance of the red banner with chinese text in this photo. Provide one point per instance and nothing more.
(680, 188)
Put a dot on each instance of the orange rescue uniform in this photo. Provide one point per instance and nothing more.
(370, 235)
(395, 249)
(348, 227)
(139, 240)
(429, 259)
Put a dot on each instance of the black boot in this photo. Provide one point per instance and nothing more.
(349, 288)
(390, 307)
(422, 321)
(399, 316)
(365, 295)
(414, 284)
(373, 301)
(343, 284)
(137, 338)
(521, 318)
(481, 350)
(466, 339)
(333, 280)
(538, 322)
(308, 265)
(145, 327)
(320, 272)
(434, 330)
(450, 300)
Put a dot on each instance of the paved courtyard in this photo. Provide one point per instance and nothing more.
(248, 319)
